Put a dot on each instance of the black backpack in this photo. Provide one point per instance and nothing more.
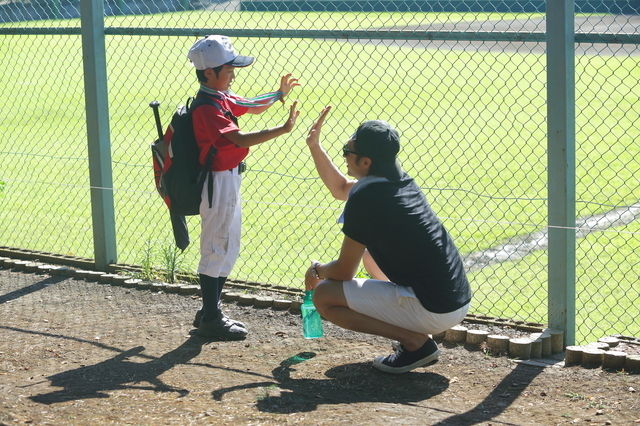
(179, 177)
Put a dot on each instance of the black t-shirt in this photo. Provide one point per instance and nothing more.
(408, 242)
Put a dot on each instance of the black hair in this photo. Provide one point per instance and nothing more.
(202, 78)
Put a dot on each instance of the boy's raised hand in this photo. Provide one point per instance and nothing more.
(287, 82)
(313, 138)
(293, 116)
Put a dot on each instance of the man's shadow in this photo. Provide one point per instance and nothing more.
(119, 372)
(348, 383)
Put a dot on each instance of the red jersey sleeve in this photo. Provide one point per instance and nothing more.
(210, 125)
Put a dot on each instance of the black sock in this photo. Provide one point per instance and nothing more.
(221, 283)
(210, 297)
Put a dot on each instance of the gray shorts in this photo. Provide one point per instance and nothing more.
(397, 305)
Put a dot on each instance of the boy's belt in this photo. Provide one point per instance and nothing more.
(240, 167)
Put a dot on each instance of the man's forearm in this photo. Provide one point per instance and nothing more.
(334, 271)
(331, 176)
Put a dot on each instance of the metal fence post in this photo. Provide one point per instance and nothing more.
(100, 174)
(561, 165)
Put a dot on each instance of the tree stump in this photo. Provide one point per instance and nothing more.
(547, 346)
(573, 355)
(93, 276)
(187, 289)
(19, 265)
(230, 296)
(614, 360)
(119, 279)
(263, 302)
(8, 263)
(536, 348)
(281, 304)
(131, 283)
(632, 363)
(246, 300)
(557, 339)
(592, 357)
(439, 336)
(80, 274)
(172, 288)
(599, 345)
(105, 278)
(498, 343)
(31, 266)
(63, 270)
(44, 269)
(476, 337)
(610, 340)
(520, 348)
(457, 334)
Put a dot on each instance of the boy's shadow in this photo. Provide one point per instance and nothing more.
(349, 383)
(120, 373)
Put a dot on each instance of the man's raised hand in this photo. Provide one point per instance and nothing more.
(313, 138)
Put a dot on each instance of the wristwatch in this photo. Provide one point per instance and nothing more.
(314, 270)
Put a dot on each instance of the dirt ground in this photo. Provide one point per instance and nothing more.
(74, 352)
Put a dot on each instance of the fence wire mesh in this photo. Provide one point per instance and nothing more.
(471, 108)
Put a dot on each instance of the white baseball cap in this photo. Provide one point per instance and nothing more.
(215, 50)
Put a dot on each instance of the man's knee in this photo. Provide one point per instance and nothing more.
(328, 294)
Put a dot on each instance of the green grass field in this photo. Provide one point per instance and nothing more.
(472, 123)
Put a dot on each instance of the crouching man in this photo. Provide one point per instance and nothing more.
(418, 286)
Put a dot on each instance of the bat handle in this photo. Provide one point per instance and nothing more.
(154, 105)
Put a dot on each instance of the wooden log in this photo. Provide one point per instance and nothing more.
(44, 269)
(246, 300)
(614, 360)
(632, 363)
(456, 334)
(105, 278)
(263, 302)
(476, 337)
(8, 263)
(93, 276)
(128, 283)
(146, 285)
(80, 274)
(31, 266)
(230, 296)
(609, 340)
(172, 288)
(557, 339)
(520, 348)
(498, 343)
(546, 344)
(592, 357)
(116, 280)
(296, 306)
(19, 265)
(188, 289)
(536, 348)
(572, 355)
(599, 345)
(439, 336)
(281, 304)
(159, 287)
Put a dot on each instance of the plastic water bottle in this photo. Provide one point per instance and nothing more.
(311, 321)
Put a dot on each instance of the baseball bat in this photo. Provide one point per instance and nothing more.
(154, 105)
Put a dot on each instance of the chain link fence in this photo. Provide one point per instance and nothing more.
(463, 82)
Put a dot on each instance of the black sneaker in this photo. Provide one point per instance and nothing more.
(403, 360)
(196, 320)
(221, 330)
